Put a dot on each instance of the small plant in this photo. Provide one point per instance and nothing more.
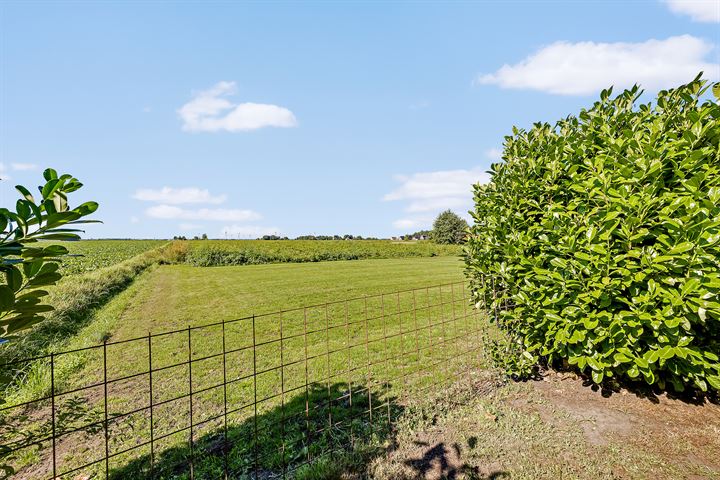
(601, 235)
(27, 264)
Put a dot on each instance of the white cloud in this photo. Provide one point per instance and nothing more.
(585, 68)
(247, 231)
(699, 10)
(23, 166)
(209, 111)
(189, 226)
(419, 105)
(437, 204)
(169, 212)
(408, 223)
(431, 192)
(3, 172)
(134, 219)
(447, 184)
(177, 196)
(494, 154)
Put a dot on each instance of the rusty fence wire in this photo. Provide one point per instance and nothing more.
(255, 397)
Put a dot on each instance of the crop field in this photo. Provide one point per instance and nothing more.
(206, 253)
(89, 255)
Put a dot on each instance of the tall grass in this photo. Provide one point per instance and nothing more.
(76, 300)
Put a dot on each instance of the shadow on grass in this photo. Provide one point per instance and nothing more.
(443, 461)
(328, 432)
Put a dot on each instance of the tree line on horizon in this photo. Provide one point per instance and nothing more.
(448, 228)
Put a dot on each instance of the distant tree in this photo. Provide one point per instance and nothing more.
(204, 236)
(448, 228)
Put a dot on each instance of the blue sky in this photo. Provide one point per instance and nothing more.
(359, 117)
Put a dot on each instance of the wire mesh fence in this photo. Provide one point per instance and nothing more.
(256, 397)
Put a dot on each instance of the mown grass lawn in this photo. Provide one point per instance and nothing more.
(308, 361)
(179, 296)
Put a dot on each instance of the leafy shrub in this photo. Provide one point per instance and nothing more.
(27, 264)
(448, 228)
(602, 237)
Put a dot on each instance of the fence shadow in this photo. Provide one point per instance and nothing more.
(324, 433)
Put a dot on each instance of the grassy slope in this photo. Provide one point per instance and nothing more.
(75, 299)
(184, 295)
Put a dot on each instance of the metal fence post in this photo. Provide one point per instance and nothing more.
(307, 395)
(105, 405)
(255, 414)
(327, 350)
(52, 406)
(225, 424)
(369, 366)
(192, 443)
(152, 420)
(282, 396)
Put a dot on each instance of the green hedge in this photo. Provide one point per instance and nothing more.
(602, 235)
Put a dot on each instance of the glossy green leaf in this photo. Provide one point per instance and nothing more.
(7, 298)
(28, 264)
(14, 278)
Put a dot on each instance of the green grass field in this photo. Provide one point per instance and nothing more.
(371, 354)
(183, 295)
(374, 340)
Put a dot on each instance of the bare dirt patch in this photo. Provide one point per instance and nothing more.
(672, 428)
(558, 428)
